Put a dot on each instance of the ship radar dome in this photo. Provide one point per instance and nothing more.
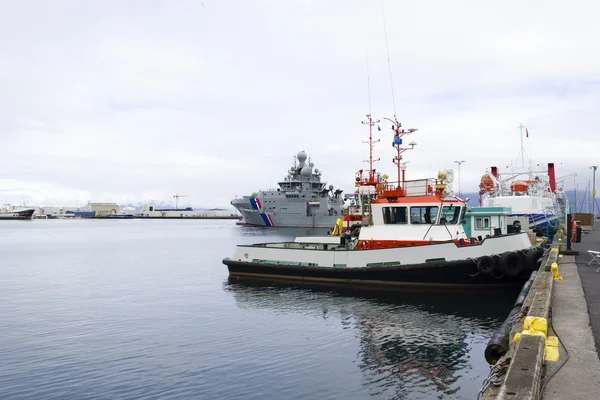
(330, 187)
(306, 171)
(302, 156)
(316, 170)
(311, 164)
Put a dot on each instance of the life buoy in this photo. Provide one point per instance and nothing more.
(486, 265)
(364, 245)
(511, 263)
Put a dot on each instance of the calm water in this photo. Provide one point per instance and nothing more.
(144, 309)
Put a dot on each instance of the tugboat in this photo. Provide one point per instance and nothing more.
(411, 233)
(301, 200)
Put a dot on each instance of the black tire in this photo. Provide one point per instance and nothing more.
(486, 265)
(511, 264)
(533, 255)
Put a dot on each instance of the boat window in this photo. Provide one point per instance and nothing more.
(450, 215)
(486, 222)
(423, 215)
(478, 223)
(395, 215)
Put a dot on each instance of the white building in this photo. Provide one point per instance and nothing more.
(151, 211)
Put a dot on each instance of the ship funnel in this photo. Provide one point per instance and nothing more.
(552, 177)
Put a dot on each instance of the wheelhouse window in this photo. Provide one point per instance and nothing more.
(423, 215)
(478, 223)
(450, 215)
(486, 222)
(395, 215)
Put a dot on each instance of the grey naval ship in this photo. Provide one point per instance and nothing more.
(301, 200)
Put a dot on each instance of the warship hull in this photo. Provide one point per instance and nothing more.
(286, 219)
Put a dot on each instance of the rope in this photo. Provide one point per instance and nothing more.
(388, 57)
(561, 365)
(495, 377)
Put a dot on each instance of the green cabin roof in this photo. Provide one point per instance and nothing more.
(483, 211)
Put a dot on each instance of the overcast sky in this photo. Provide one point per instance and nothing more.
(137, 100)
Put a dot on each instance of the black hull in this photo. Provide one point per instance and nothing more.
(462, 273)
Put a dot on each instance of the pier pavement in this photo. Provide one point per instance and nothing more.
(571, 304)
(576, 320)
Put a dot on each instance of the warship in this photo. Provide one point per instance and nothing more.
(301, 200)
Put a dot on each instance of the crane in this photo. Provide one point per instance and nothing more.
(176, 197)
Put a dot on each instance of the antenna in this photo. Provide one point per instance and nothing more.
(368, 80)
(388, 58)
(177, 196)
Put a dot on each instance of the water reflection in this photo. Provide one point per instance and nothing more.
(420, 344)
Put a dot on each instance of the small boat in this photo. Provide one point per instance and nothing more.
(410, 233)
(18, 214)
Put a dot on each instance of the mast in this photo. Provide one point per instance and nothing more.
(371, 122)
(397, 143)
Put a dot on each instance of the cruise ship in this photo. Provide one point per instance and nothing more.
(301, 200)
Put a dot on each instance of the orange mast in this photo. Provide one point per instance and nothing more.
(397, 143)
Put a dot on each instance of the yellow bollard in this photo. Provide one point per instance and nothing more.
(554, 270)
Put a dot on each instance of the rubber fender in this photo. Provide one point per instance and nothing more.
(486, 265)
(511, 263)
(533, 255)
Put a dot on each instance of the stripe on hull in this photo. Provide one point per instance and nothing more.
(267, 219)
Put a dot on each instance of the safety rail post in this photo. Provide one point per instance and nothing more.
(569, 230)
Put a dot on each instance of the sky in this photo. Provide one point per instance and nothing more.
(137, 101)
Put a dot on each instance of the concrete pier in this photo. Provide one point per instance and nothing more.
(564, 310)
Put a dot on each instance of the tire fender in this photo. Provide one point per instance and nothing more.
(511, 263)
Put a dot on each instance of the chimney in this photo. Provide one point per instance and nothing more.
(552, 177)
(495, 172)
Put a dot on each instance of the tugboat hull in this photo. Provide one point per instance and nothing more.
(501, 260)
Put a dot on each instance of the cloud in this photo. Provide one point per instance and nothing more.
(112, 100)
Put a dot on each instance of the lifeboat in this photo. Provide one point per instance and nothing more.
(519, 186)
(487, 184)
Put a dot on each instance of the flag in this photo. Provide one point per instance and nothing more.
(526, 133)
(378, 128)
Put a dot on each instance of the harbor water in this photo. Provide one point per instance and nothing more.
(144, 309)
